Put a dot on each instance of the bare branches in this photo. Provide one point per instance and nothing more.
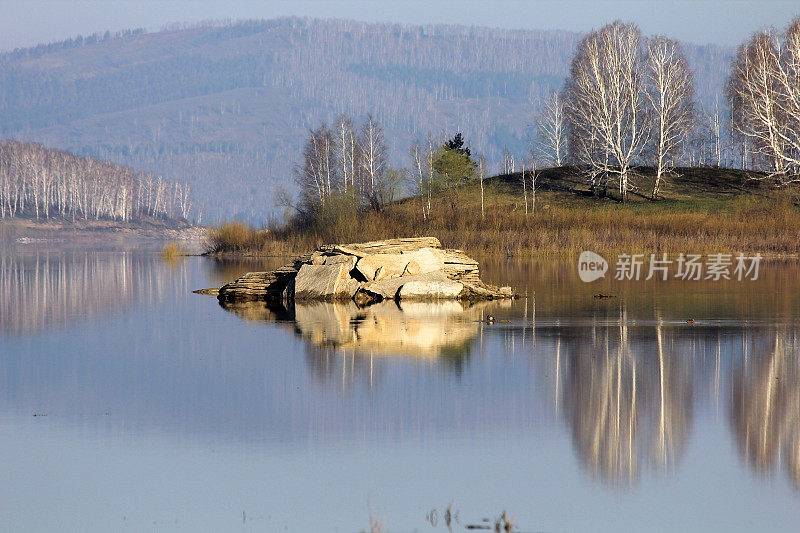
(317, 174)
(764, 93)
(603, 100)
(669, 90)
(551, 131)
(372, 160)
(344, 163)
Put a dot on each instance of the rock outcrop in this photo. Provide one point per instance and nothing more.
(369, 272)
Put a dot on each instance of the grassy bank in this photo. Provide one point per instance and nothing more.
(703, 210)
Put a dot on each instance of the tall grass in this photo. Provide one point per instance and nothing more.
(561, 225)
(172, 250)
(234, 237)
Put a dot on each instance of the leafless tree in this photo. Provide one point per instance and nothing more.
(764, 95)
(670, 91)
(524, 187)
(422, 154)
(533, 184)
(509, 165)
(316, 175)
(372, 163)
(481, 176)
(346, 150)
(603, 102)
(551, 131)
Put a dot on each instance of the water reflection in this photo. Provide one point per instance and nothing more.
(626, 380)
(417, 329)
(40, 290)
(625, 383)
(765, 404)
(627, 396)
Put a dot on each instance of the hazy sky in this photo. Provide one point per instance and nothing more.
(28, 22)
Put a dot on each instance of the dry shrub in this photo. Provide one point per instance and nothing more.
(172, 250)
(234, 237)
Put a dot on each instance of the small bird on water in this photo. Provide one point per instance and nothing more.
(690, 320)
(490, 319)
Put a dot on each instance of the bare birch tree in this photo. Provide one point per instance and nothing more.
(345, 151)
(551, 131)
(509, 166)
(603, 102)
(533, 184)
(670, 91)
(419, 161)
(373, 163)
(524, 187)
(481, 176)
(764, 95)
(316, 175)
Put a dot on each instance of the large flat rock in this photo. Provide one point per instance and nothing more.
(324, 282)
(430, 290)
(392, 265)
(387, 289)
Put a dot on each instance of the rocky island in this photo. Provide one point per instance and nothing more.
(370, 272)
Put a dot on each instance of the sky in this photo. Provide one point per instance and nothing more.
(728, 22)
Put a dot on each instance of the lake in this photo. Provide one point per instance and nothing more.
(129, 403)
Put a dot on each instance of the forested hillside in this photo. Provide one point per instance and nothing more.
(227, 107)
(41, 182)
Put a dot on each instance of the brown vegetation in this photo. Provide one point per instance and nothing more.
(709, 210)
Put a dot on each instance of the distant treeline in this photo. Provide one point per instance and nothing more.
(42, 49)
(42, 182)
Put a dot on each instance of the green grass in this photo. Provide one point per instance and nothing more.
(704, 210)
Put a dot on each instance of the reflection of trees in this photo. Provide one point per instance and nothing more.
(43, 289)
(673, 404)
(626, 399)
(765, 406)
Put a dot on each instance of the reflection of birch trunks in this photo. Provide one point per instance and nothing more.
(624, 405)
(46, 289)
(765, 406)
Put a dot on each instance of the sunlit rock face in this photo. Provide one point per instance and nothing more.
(765, 405)
(419, 329)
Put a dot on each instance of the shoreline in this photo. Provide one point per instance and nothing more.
(566, 256)
(24, 231)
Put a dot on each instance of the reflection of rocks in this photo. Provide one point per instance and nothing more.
(765, 407)
(624, 402)
(369, 272)
(425, 329)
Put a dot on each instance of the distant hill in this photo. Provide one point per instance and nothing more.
(227, 107)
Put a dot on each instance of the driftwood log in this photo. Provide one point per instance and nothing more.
(369, 272)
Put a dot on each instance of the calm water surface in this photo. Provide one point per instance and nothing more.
(129, 403)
